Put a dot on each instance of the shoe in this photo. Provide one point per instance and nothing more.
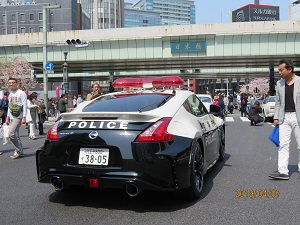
(279, 176)
(32, 137)
(0, 153)
(17, 156)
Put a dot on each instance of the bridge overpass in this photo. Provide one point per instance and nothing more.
(235, 50)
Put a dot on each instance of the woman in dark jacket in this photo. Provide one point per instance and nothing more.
(4, 107)
(254, 112)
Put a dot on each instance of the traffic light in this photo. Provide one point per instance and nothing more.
(32, 74)
(78, 43)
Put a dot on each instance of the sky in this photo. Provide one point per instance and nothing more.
(218, 11)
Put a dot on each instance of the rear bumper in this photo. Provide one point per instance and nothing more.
(105, 182)
(159, 166)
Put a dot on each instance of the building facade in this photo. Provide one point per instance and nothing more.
(294, 10)
(16, 18)
(104, 14)
(134, 17)
(172, 12)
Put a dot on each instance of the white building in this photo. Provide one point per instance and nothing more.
(294, 10)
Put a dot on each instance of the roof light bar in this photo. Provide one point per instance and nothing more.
(148, 82)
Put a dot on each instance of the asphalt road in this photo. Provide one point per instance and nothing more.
(249, 158)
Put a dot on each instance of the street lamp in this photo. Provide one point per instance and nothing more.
(65, 74)
(45, 76)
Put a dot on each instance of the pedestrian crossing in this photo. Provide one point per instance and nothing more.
(243, 119)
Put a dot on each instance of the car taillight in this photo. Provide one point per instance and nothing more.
(52, 133)
(156, 132)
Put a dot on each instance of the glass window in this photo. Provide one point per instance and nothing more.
(22, 30)
(13, 30)
(22, 17)
(127, 103)
(31, 17)
(31, 29)
(3, 18)
(40, 16)
(40, 29)
(13, 17)
(196, 106)
(4, 31)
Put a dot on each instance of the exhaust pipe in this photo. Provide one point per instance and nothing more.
(57, 183)
(132, 190)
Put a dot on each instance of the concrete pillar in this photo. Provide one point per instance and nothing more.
(272, 81)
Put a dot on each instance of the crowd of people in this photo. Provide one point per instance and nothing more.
(239, 101)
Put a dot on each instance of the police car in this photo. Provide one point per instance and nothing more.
(150, 135)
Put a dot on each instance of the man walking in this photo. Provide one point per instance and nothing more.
(286, 115)
(62, 104)
(16, 116)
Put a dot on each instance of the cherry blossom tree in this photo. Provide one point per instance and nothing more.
(18, 68)
(261, 85)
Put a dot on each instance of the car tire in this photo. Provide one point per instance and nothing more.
(222, 144)
(197, 167)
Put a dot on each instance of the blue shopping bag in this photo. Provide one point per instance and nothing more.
(274, 136)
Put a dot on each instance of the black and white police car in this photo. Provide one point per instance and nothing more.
(160, 139)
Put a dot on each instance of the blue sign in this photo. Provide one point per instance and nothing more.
(188, 46)
(49, 66)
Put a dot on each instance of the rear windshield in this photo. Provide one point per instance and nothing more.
(127, 103)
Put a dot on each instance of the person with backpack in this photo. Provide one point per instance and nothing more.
(16, 116)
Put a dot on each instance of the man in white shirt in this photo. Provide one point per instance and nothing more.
(18, 97)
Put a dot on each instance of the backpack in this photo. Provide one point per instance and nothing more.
(244, 102)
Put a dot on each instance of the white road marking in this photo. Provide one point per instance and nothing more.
(229, 119)
(245, 119)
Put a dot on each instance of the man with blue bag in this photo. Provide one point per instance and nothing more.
(286, 115)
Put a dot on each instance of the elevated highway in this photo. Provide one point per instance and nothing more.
(235, 50)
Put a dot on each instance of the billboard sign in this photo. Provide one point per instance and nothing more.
(255, 12)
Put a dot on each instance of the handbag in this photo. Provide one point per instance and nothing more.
(15, 109)
(5, 133)
(274, 136)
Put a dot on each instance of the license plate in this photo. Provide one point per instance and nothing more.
(93, 156)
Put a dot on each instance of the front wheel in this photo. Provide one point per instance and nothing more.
(197, 168)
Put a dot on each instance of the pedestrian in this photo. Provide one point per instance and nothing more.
(286, 115)
(74, 102)
(254, 112)
(16, 115)
(42, 115)
(244, 101)
(32, 115)
(95, 91)
(4, 107)
(62, 104)
(79, 99)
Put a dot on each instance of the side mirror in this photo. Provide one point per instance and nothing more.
(215, 109)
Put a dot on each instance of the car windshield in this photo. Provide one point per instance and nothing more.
(127, 103)
(205, 99)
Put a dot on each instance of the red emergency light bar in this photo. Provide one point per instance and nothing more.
(148, 82)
